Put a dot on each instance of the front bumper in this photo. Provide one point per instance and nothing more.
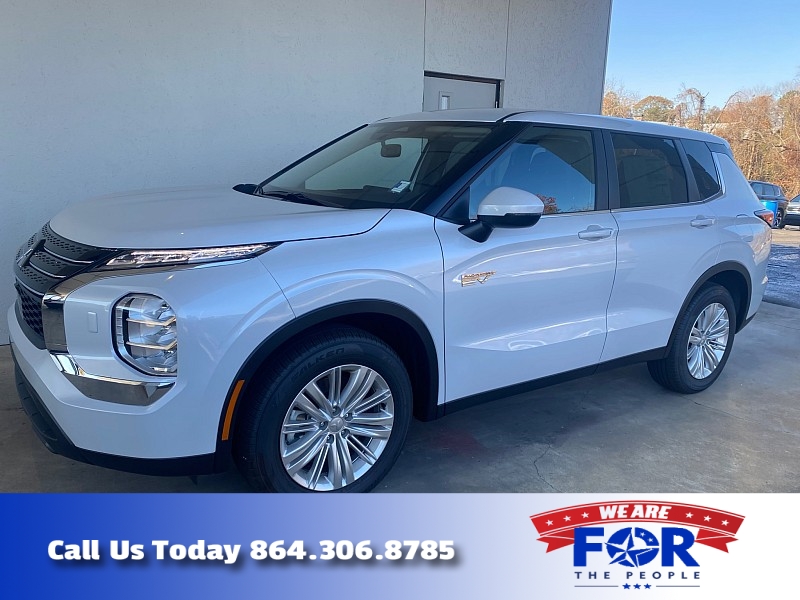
(791, 218)
(225, 312)
(50, 434)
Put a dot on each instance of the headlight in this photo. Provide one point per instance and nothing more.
(147, 334)
(152, 258)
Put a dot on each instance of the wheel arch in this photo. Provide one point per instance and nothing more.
(393, 323)
(734, 277)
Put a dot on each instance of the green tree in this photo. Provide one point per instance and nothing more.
(655, 108)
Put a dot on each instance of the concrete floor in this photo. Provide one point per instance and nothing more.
(613, 432)
(783, 269)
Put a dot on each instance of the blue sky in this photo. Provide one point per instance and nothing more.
(716, 46)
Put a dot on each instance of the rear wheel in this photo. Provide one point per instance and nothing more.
(702, 343)
(331, 415)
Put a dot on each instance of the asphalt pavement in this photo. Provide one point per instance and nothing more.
(784, 268)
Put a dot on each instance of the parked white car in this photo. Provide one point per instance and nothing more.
(413, 266)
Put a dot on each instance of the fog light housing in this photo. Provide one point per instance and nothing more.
(147, 334)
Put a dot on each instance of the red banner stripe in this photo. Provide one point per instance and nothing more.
(720, 542)
(556, 542)
(716, 527)
(567, 519)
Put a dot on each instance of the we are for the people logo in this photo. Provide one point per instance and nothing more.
(655, 546)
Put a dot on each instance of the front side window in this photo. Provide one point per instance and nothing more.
(388, 165)
(703, 168)
(557, 165)
(650, 171)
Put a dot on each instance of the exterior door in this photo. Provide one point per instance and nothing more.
(669, 235)
(443, 93)
(530, 302)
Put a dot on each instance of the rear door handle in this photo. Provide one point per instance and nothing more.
(701, 222)
(595, 232)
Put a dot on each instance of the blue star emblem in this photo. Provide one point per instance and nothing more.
(632, 547)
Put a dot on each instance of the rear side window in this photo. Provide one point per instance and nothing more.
(703, 168)
(650, 171)
(758, 188)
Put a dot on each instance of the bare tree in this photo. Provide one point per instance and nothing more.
(618, 101)
(761, 125)
(691, 108)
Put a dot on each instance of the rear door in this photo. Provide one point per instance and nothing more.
(667, 239)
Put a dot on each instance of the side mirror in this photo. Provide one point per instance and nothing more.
(504, 207)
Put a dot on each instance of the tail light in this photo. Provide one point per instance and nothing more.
(766, 215)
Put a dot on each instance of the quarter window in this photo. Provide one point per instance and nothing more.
(703, 168)
(557, 165)
(650, 171)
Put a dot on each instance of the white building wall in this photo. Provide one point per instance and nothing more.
(101, 97)
(557, 54)
(466, 37)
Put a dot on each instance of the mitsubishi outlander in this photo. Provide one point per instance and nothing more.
(408, 268)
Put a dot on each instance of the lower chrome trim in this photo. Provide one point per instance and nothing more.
(109, 389)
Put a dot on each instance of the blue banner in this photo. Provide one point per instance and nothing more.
(396, 546)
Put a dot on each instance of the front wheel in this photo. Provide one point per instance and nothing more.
(702, 343)
(331, 415)
(780, 221)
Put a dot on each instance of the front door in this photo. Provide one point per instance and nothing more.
(530, 302)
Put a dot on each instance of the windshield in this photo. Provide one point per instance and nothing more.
(386, 165)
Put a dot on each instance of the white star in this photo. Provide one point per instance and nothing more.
(549, 523)
(567, 518)
(706, 518)
(689, 515)
(585, 515)
(725, 522)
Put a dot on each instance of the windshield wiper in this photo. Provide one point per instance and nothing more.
(298, 197)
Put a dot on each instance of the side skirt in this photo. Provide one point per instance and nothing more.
(535, 384)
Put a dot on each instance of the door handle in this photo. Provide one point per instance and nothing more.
(594, 232)
(701, 222)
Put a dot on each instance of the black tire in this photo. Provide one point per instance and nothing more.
(781, 221)
(257, 442)
(672, 372)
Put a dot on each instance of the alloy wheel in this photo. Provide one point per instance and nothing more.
(708, 340)
(337, 427)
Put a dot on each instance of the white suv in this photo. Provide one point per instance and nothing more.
(413, 266)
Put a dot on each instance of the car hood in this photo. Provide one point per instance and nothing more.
(203, 217)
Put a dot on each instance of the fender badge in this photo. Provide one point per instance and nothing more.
(470, 278)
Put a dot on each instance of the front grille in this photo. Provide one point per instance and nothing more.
(52, 260)
(31, 308)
